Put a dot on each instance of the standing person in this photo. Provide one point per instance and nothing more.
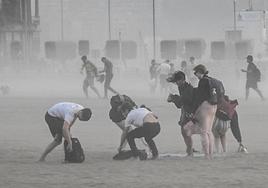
(252, 78)
(192, 78)
(108, 69)
(153, 76)
(185, 103)
(185, 69)
(147, 126)
(91, 73)
(205, 110)
(60, 119)
(163, 70)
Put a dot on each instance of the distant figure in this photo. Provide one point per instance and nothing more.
(60, 119)
(172, 68)
(147, 126)
(192, 79)
(108, 69)
(186, 70)
(252, 77)
(91, 73)
(163, 71)
(153, 76)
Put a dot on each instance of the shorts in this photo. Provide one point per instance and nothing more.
(116, 116)
(89, 81)
(220, 127)
(55, 125)
(251, 84)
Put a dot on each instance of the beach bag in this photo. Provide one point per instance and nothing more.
(216, 90)
(226, 109)
(257, 74)
(77, 155)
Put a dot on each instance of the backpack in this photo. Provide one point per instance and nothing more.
(257, 74)
(77, 155)
(118, 100)
(216, 90)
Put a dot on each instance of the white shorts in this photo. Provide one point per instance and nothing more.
(220, 127)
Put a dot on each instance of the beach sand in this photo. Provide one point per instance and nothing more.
(24, 135)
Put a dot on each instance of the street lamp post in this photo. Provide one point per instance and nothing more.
(61, 6)
(109, 18)
(154, 27)
(234, 15)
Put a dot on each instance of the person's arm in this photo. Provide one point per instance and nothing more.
(123, 137)
(67, 135)
(176, 99)
(82, 68)
(104, 69)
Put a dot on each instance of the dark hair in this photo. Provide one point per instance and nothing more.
(86, 114)
(250, 57)
(103, 58)
(201, 69)
(126, 106)
(192, 58)
(178, 75)
(183, 63)
(84, 57)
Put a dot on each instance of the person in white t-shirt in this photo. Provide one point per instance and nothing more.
(60, 119)
(147, 127)
(163, 71)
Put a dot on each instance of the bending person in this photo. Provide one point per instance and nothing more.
(147, 126)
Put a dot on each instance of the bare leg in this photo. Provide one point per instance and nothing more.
(188, 141)
(259, 93)
(85, 90)
(247, 93)
(217, 144)
(49, 148)
(223, 143)
(95, 90)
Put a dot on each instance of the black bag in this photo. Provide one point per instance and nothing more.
(257, 74)
(77, 155)
(216, 90)
(127, 154)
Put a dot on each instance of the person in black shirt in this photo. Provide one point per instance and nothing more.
(185, 103)
(204, 111)
(252, 80)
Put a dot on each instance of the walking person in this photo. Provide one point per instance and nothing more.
(153, 76)
(253, 77)
(163, 71)
(91, 74)
(108, 69)
(60, 118)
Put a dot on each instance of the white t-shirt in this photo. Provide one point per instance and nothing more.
(164, 69)
(136, 116)
(65, 110)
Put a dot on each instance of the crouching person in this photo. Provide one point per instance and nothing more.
(147, 127)
(60, 119)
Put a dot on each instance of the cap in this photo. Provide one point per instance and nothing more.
(201, 69)
(178, 75)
